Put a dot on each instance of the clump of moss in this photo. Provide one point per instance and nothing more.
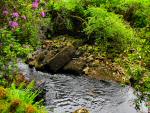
(3, 92)
(20, 79)
(14, 104)
(30, 109)
(19, 100)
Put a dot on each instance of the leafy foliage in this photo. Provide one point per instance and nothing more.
(110, 30)
(19, 101)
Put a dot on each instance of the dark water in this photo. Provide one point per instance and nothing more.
(66, 93)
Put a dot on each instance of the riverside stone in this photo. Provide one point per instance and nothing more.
(60, 59)
(75, 66)
(81, 110)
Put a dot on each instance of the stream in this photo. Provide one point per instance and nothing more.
(66, 93)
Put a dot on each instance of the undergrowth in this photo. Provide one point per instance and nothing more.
(19, 100)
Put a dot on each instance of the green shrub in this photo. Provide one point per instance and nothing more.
(109, 29)
(20, 32)
(29, 20)
(10, 49)
(134, 11)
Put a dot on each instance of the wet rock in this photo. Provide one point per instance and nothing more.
(75, 66)
(81, 110)
(49, 55)
(60, 59)
(36, 60)
(99, 72)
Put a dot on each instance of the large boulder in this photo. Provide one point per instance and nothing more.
(60, 59)
(75, 66)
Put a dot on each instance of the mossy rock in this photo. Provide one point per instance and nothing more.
(75, 66)
(81, 110)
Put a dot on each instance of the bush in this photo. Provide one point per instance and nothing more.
(134, 11)
(20, 27)
(26, 17)
(109, 29)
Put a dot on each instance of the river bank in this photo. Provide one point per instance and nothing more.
(80, 59)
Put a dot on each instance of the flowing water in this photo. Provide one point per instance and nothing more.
(66, 93)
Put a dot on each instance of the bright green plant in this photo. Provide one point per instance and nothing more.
(134, 11)
(20, 100)
(109, 29)
(10, 50)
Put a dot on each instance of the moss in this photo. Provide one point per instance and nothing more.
(3, 92)
(15, 103)
(30, 109)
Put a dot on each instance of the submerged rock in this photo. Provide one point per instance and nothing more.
(81, 110)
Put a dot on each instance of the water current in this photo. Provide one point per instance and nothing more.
(66, 93)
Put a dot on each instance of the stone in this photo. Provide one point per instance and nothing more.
(39, 60)
(75, 66)
(60, 59)
(81, 110)
(86, 70)
(49, 55)
(36, 59)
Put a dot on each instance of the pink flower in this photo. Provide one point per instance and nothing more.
(5, 12)
(24, 17)
(13, 24)
(15, 15)
(35, 5)
(43, 14)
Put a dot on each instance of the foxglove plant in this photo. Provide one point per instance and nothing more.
(5, 12)
(15, 15)
(43, 14)
(13, 24)
(35, 5)
(24, 17)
